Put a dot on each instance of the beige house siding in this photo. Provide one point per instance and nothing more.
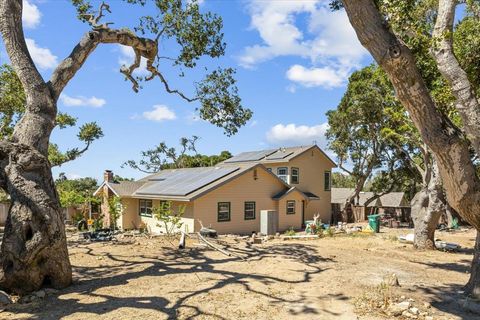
(243, 188)
(131, 219)
(312, 165)
(287, 221)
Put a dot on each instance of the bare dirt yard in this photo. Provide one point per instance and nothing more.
(337, 277)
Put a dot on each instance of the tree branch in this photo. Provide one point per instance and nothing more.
(443, 139)
(466, 101)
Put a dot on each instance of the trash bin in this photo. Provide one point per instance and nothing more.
(374, 222)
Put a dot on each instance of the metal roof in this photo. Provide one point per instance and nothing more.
(181, 182)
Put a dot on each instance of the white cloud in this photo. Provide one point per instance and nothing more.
(30, 15)
(80, 101)
(159, 113)
(43, 57)
(291, 134)
(127, 57)
(327, 77)
(199, 2)
(328, 41)
(73, 176)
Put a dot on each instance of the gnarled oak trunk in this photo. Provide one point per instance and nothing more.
(34, 250)
(428, 205)
(473, 286)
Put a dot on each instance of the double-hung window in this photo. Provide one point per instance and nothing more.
(327, 180)
(282, 173)
(291, 207)
(249, 210)
(223, 211)
(145, 207)
(295, 176)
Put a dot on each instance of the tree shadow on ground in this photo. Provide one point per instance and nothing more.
(461, 266)
(91, 282)
(451, 299)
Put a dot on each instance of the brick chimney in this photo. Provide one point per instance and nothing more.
(108, 176)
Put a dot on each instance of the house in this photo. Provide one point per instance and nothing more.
(295, 182)
(394, 204)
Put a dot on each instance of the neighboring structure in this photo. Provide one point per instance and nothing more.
(295, 182)
(394, 204)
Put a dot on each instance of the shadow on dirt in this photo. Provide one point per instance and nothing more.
(119, 270)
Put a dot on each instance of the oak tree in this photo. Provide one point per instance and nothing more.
(34, 250)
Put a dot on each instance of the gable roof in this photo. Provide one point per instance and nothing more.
(392, 199)
(184, 184)
(274, 155)
(305, 195)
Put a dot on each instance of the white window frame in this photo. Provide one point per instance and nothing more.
(145, 207)
(297, 175)
(284, 177)
(294, 206)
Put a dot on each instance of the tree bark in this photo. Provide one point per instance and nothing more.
(466, 101)
(451, 151)
(428, 205)
(34, 250)
(473, 285)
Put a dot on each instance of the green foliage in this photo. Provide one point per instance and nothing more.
(466, 41)
(290, 232)
(328, 232)
(117, 179)
(164, 157)
(76, 191)
(340, 180)
(221, 104)
(64, 120)
(170, 218)
(89, 132)
(12, 100)
(12, 107)
(371, 131)
(116, 209)
(191, 34)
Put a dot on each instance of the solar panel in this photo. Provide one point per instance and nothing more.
(181, 182)
(279, 155)
(250, 156)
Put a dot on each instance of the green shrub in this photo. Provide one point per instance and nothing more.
(290, 232)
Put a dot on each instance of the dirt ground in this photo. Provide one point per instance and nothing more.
(140, 278)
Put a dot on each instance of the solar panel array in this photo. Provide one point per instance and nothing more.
(181, 182)
(250, 156)
(279, 155)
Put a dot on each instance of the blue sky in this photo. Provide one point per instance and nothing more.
(292, 59)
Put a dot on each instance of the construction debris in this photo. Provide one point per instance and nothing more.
(447, 246)
(311, 236)
(211, 245)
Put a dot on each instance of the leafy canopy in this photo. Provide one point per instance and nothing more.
(12, 107)
(74, 192)
(185, 156)
(192, 34)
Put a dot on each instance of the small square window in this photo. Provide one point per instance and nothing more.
(291, 207)
(223, 212)
(295, 177)
(249, 210)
